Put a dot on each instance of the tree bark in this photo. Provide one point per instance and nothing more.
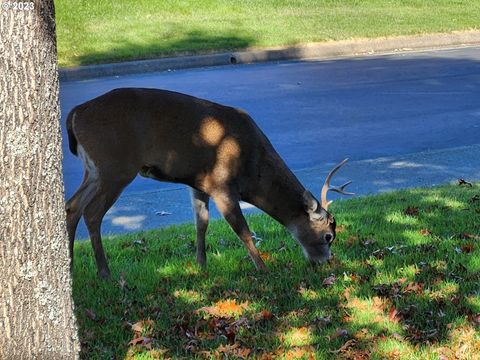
(36, 306)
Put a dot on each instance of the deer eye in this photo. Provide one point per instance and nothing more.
(329, 237)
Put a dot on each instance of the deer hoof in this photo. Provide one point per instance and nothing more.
(104, 274)
(202, 262)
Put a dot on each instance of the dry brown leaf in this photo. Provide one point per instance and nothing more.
(329, 280)
(141, 340)
(467, 248)
(348, 344)
(415, 287)
(411, 211)
(393, 315)
(303, 352)
(265, 256)
(468, 236)
(233, 350)
(224, 309)
(143, 327)
(262, 315)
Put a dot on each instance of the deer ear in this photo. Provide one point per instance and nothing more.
(309, 202)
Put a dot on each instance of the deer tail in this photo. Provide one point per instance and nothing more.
(72, 140)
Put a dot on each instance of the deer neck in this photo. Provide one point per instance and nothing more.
(277, 191)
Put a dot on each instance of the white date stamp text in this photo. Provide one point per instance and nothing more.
(20, 6)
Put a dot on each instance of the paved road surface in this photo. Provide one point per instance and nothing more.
(407, 119)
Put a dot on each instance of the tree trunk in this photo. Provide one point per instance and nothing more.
(36, 306)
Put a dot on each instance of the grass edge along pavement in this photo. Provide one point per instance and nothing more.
(317, 51)
(405, 283)
(105, 31)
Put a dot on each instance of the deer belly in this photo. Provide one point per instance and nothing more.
(156, 173)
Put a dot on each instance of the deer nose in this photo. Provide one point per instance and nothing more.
(328, 237)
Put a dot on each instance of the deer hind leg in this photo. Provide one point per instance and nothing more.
(200, 207)
(228, 205)
(106, 194)
(75, 207)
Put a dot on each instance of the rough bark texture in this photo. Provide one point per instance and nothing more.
(36, 306)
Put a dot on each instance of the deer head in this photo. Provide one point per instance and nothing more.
(315, 229)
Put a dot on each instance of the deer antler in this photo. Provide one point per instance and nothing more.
(340, 189)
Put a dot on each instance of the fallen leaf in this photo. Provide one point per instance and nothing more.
(265, 256)
(233, 350)
(393, 315)
(425, 232)
(227, 348)
(467, 236)
(142, 340)
(467, 248)
(299, 335)
(362, 334)
(329, 280)
(224, 309)
(143, 327)
(411, 211)
(262, 315)
(304, 352)
(348, 344)
(414, 287)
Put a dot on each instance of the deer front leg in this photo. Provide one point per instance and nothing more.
(230, 209)
(200, 207)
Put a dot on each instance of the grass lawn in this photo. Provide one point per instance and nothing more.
(404, 284)
(106, 31)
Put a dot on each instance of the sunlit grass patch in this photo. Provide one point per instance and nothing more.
(395, 289)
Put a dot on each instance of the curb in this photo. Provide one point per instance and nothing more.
(326, 50)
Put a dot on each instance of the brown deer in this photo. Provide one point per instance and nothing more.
(217, 150)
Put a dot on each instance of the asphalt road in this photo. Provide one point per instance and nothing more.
(404, 120)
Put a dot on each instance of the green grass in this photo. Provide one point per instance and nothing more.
(406, 286)
(106, 31)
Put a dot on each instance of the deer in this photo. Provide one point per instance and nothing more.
(216, 150)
